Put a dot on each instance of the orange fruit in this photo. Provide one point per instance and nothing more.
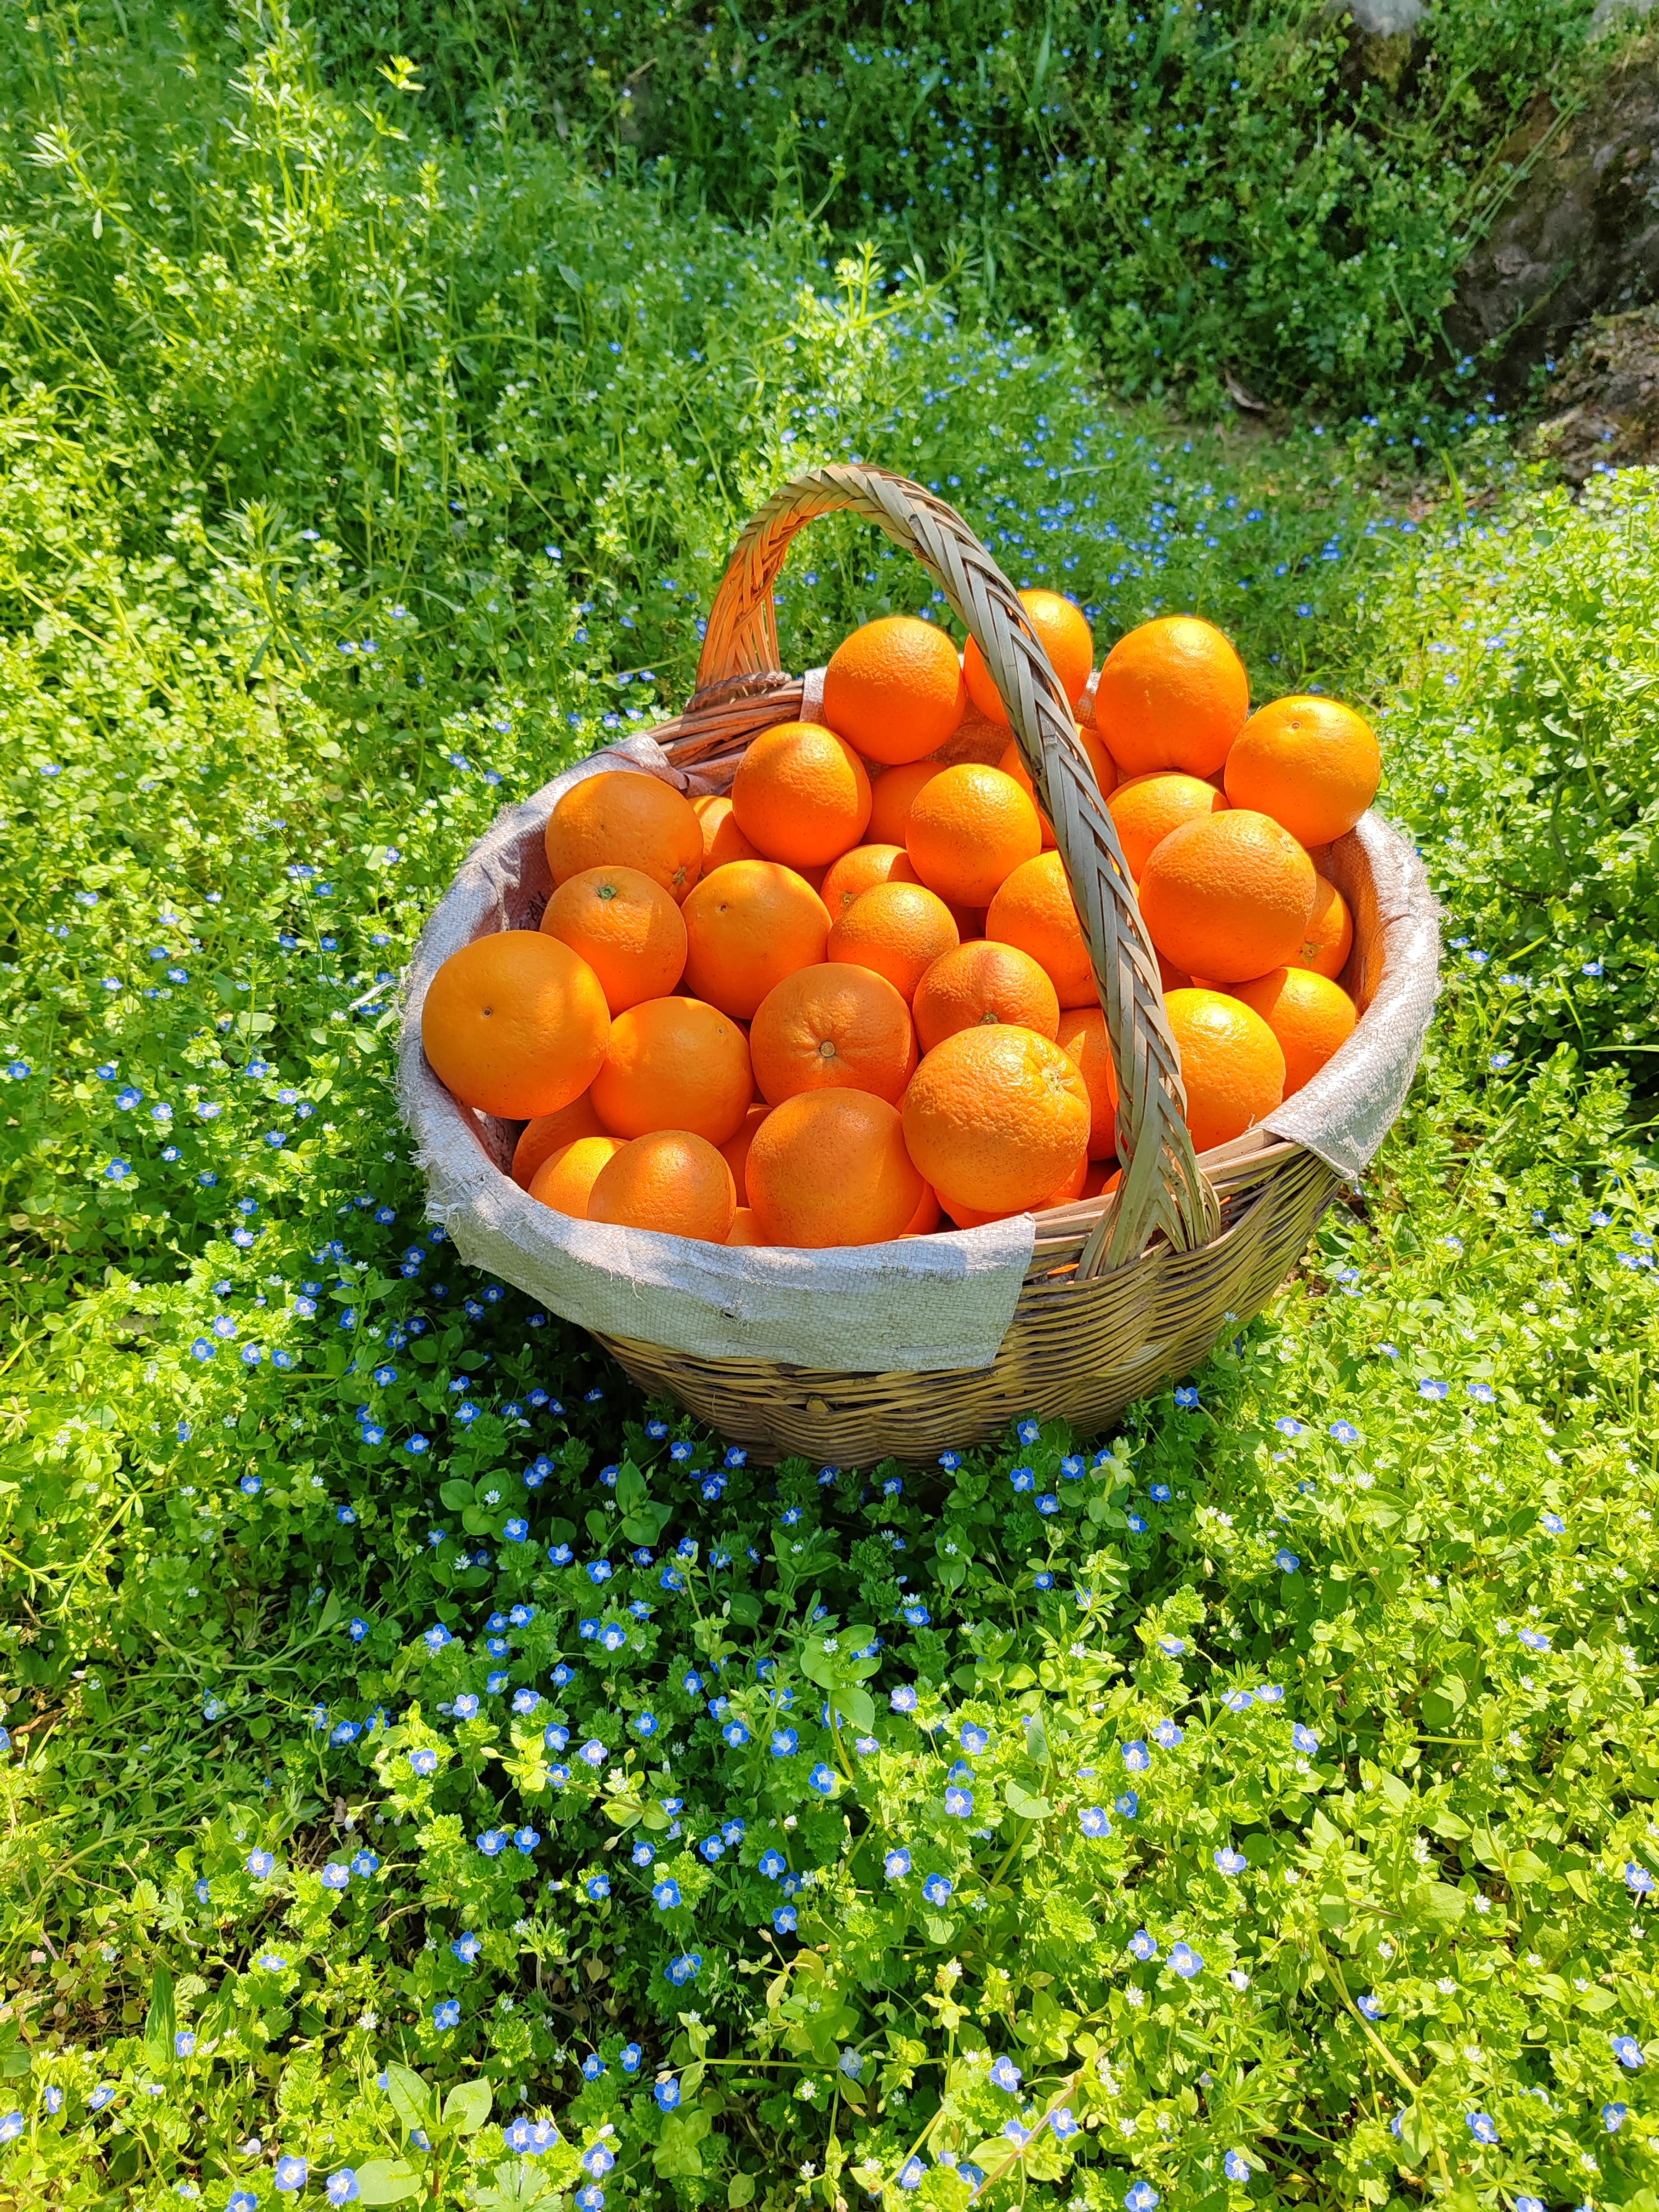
(1102, 1179)
(1074, 1185)
(674, 1064)
(750, 924)
(856, 872)
(1066, 639)
(745, 1228)
(1171, 977)
(627, 928)
(1231, 1065)
(1082, 1037)
(979, 984)
(626, 818)
(800, 794)
(515, 1024)
(1228, 896)
(969, 830)
(549, 1132)
(891, 797)
(996, 1119)
(898, 929)
(926, 1219)
(1308, 1014)
(1312, 764)
(670, 1181)
(1172, 694)
(1100, 760)
(1034, 910)
(1328, 939)
(894, 689)
(833, 1027)
(1146, 808)
(829, 1167)
(735, 1150)
(722, 840)
(565, 1177)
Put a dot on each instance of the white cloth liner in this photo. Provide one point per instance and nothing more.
(944, 1301)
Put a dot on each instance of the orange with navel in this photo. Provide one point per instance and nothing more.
(1034, 910)
(1328, 939)
(996, 1119)
(550, 1133)
(891, 796)
(894, 689)
(1172, 694)
(675, 1063)
(626, 818)
(833, 1027)
(1232, 1067)
(670, 1181)
(800, 795)
(1313, 763)
(1146, 808)
(515, 1024)
(859, 870)
(722, 840)
(565, 1179)
(1065, 638)
(898, 930)
(1311, 1017)
(830, 1167)
(978, 985)
(748, 926)
(969, 830)
(626, 926)
(1228, 896)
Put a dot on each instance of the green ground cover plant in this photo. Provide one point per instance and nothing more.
(434, 1776)
(1210, 190)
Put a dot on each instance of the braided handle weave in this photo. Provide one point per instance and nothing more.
(1162, 1189)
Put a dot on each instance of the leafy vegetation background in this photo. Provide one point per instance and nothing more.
(433, 1775)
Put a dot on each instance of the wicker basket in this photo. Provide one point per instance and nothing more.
(1121, 1292)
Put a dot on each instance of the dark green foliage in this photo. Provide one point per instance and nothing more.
(1208, 190)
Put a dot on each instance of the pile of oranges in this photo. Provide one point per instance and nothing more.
(853, 997)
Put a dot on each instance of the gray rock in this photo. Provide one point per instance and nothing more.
(1391, 18)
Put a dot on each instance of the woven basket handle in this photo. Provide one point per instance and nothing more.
(1162, 1190)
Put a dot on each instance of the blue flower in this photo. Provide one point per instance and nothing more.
(524, 1840)
(912, 2174)
(1371, 2006)
(261, 1865)
(1187, 1397)
(1288, 1427)
(823, 1780)
(1093, 1821)
(423, 1760)
(1168, 1735)
(343, 2187)
(1023, 1478)
(736, 1734)
(1005, 2075)
(1143, 1945)
(972, 1739)
(784, 1743)
(593, 2066)
(335, 1877)
(1428, 1388)
(783, 1920)
(446, 2013)
(594, 1753)
(1304, 1740)
(1614, 2117)
(685, 1968)
(950, 1461)
(1628, 2051)
(667, 2091)
(666, 1894)
(1483, 1393)
(1141, 2196)
(936, 1888)
(1229, 1862)
(903, 1699)
(1136, 1757)
(1160, 1493)
(597, 2160)
(598, 1886)
(774, 1865)
(291, 2174)
(466, 1947)
(1028, 1432)
(1287, 1561)
(184, 2044)
(1482, 2127)
(1637, 1879)
(1185, 1961)
(959, 1803)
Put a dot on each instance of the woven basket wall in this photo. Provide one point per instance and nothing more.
(1121, 1292)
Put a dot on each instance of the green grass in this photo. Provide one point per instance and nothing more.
(282, 383)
